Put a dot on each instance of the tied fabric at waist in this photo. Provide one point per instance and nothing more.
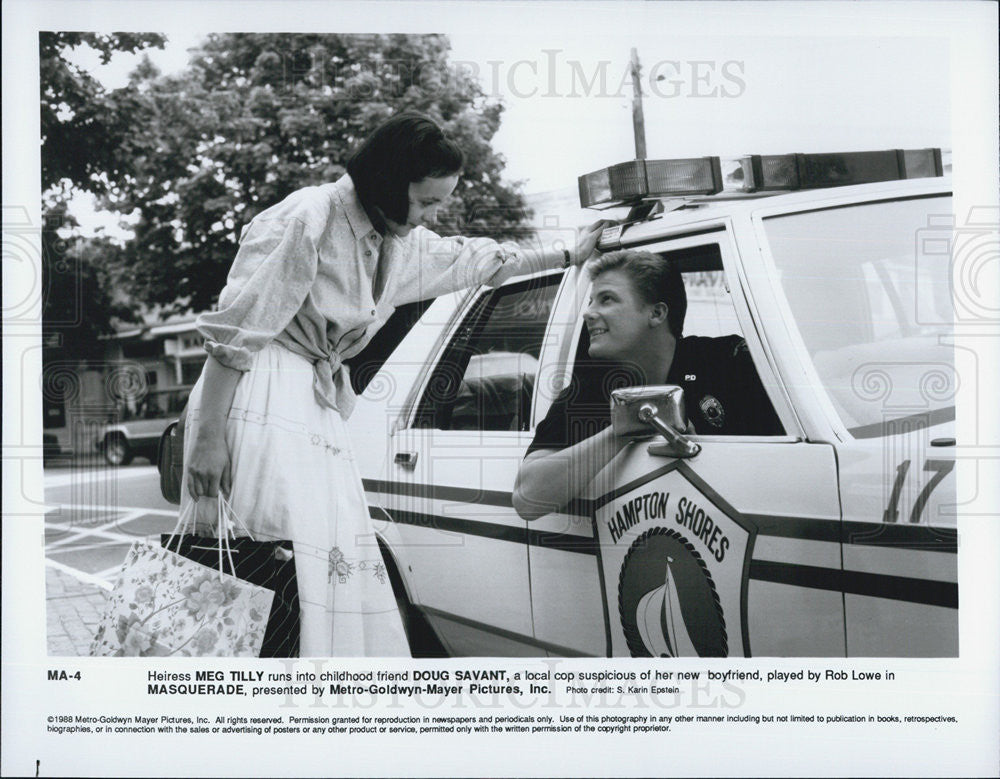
(331, 379)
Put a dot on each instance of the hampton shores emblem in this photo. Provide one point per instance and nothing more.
(674, 563)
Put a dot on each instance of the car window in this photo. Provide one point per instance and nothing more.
(368, 362)
(710, 309)
(155, 405)
(710, 314)
(486, 376)
(874, 313)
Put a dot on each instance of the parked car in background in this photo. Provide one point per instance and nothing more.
(136, 426)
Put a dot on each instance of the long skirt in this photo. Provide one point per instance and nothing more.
(294, 477)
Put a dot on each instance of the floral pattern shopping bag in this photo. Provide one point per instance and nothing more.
(165, 605)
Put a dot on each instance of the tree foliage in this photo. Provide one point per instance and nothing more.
(80, 302)
(257, 116)
(86, 131)
(86, 134)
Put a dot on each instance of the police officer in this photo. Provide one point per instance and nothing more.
(635, 321)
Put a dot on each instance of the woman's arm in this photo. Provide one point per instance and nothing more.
(548, 479)
(208, 465)
(586, 243)
(456, 263)
(274, 270)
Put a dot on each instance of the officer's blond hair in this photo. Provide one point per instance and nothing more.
(655, 278)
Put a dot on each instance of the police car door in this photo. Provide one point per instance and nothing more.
(452, 466)
(729, 553)
(866, 282)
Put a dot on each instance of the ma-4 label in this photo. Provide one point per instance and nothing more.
(675, 561)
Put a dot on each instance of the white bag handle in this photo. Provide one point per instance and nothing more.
(225, 505)
(183, 520)
(223, 535)
(224, 529)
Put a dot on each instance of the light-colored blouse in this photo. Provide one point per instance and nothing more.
(314, 276)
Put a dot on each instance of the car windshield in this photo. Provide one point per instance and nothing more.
(155, 405)
(869, 287)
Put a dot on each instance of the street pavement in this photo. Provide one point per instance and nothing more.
(73, 611)
(92, 517)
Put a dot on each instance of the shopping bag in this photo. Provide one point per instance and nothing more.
(165, 605)
(268, 564)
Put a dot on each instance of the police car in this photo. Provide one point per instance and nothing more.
(835, 536)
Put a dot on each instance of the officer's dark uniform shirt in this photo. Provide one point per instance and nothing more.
(722, 394)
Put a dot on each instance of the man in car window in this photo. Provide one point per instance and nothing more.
(635, 321)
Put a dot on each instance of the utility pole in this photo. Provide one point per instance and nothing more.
(638, 122)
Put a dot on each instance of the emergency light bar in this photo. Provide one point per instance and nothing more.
(630, 182)
(763, 173)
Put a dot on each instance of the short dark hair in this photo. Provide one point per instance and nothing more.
(655, 278)
(406, 148)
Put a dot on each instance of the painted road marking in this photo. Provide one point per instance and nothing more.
(62, 478)
(109, 573)
(89, 547)
(80, 538)
(116, 509)
(76, 532)
(65, 544)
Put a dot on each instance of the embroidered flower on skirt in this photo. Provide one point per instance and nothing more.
(339, 566)
(377, 567)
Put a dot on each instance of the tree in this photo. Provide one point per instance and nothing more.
(85, 129)
(85, 136)
(257, 116)
(80, 303)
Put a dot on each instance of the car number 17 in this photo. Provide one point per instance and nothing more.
(941, 468)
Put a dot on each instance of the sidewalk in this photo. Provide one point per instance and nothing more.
(74, 609)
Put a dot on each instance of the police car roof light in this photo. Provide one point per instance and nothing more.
(783, 172)
(632, 181)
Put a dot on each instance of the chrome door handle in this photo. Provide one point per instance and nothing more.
(406, 459)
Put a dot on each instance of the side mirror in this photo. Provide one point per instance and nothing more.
(634, 410)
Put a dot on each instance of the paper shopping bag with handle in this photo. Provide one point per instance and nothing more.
(269, 564)
(165, 605)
